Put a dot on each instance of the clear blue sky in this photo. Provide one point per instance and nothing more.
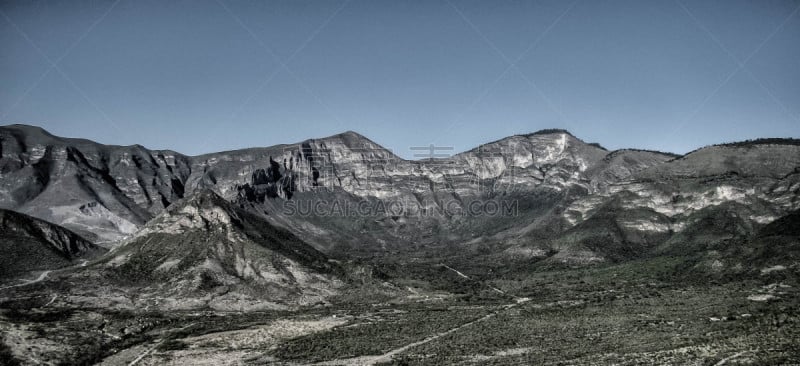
(202, 76)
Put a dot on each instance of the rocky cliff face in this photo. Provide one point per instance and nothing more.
(345, 193)
(30, 244)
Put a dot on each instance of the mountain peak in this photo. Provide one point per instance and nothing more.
(353, 141)
(352, 133)
(28, 132)
(28, 129)
(349, 136)
(549, 131)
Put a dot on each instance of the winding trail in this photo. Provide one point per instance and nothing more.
(143, 355)
(726, 359)
(51, 301)
(386, 357)
(41, 278)
(153, 347)
(456, 271)
(45, 274)
(495, 289)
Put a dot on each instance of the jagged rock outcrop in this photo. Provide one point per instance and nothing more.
(269, 183)
(29, 244)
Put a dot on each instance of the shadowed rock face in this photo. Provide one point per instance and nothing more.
(30, 244)
(269, 183)
(550, 181)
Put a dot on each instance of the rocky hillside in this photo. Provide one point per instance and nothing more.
(203, 252)
(707, 196)
(29, 244)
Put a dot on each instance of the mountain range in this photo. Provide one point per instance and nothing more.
(531, 191)
(335, 249)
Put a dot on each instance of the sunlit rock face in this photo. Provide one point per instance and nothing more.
(553, 159)
(517, 193)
